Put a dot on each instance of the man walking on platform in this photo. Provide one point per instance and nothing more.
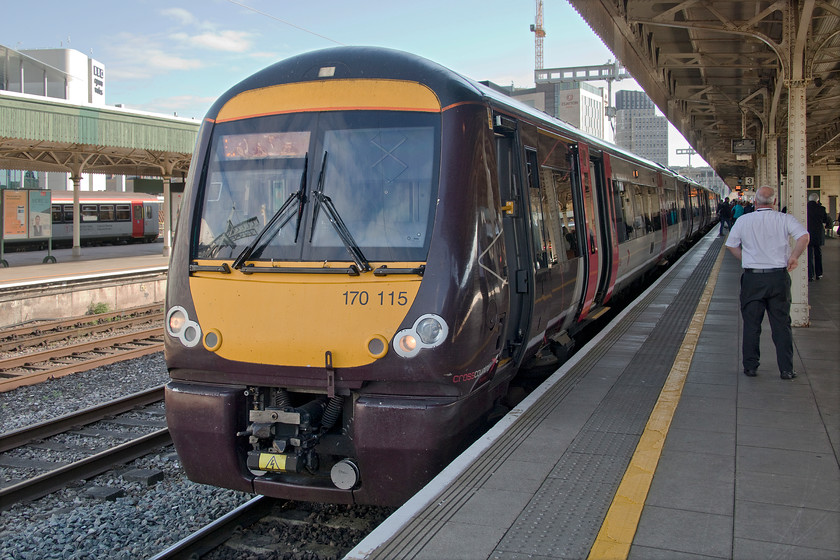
(724, 211)
(760, 240)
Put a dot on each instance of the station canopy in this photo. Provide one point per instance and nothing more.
(722, 72)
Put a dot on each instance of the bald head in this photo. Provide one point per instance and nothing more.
(765, 196)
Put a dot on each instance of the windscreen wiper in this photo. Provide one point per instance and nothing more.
(269, 231)
(335, 219)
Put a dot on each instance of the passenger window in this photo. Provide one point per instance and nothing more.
(568, 232)
(123, 213)
(623, 213)
(542, 246)
(57, 215)
(90, 213)
(106, 213)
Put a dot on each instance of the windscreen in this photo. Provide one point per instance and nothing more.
(286, 185)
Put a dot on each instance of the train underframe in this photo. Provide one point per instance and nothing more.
(306, 446)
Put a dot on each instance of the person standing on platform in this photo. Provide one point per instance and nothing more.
(737, 211)
(761, 241)
(724, 211)
(817, 222)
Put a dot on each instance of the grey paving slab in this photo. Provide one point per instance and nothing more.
(685, 531)
(796, 526)
(772, 419)
(748, 549)
(794, 440)
(710, 390)
(700, 482)
(806, 464)
(491, 507)
(694, 417)
(461, 541)
(647, 553)
(700, 441)
(790, 490)
(519, 476)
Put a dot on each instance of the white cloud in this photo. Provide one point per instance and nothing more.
(228, 41)
(183, 16)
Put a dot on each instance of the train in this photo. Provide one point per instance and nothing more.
(371, 247)
(107, 217)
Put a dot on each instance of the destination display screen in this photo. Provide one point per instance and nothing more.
(265, 145)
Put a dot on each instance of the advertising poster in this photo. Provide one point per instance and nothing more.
(14, 214)
(40, 214)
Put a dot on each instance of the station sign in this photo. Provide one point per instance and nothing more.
(743, 145)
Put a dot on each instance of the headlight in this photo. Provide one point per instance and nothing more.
(428, 331)
(180, 326)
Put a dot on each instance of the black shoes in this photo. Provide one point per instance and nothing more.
(750, 372)
(788, 375)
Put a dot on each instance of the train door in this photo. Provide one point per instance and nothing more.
(137, 220)
(519, 273)
(601, 170)
(597, 251)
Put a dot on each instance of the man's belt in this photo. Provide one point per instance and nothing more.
(764, 270)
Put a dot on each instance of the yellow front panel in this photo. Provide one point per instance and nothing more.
(330, 95)
(293, 319)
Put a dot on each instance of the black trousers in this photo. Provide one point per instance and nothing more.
(768, 292)
(815, 267)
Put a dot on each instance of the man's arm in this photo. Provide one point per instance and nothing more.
(801, 245)
(735, 251)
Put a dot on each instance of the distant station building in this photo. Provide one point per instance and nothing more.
(706, 176)
(638, 128)
(65, 74)
(580, 104)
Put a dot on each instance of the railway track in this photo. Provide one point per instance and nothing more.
(119, 439)
(116, 336)
(271, 528)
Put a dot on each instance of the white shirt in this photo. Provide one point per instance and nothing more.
(764, 237)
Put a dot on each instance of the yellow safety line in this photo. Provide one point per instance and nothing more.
(619, 527)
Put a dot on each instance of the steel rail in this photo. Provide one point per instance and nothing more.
(80, 470)
(60, 371)
(73, 321)
(70, 351)
(212, 535)
(16, 438)
(81, 329)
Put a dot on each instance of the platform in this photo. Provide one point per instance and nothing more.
(28, 266)
(651, 443)
(119, 276)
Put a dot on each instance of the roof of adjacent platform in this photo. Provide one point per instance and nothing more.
(45, 134)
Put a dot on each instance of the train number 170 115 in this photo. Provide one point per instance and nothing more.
(382, 298)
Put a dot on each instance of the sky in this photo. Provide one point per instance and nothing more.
(178, 56)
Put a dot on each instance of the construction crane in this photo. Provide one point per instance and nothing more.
(539, 34)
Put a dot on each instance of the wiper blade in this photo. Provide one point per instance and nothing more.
(341, 229)
(301, 195)
(269, 231)
(319, 188)
(335, 219)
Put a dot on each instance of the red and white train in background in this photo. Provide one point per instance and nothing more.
(106, 218)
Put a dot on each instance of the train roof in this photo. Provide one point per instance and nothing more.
(383, 63)
(358, 63)
(103, 196)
